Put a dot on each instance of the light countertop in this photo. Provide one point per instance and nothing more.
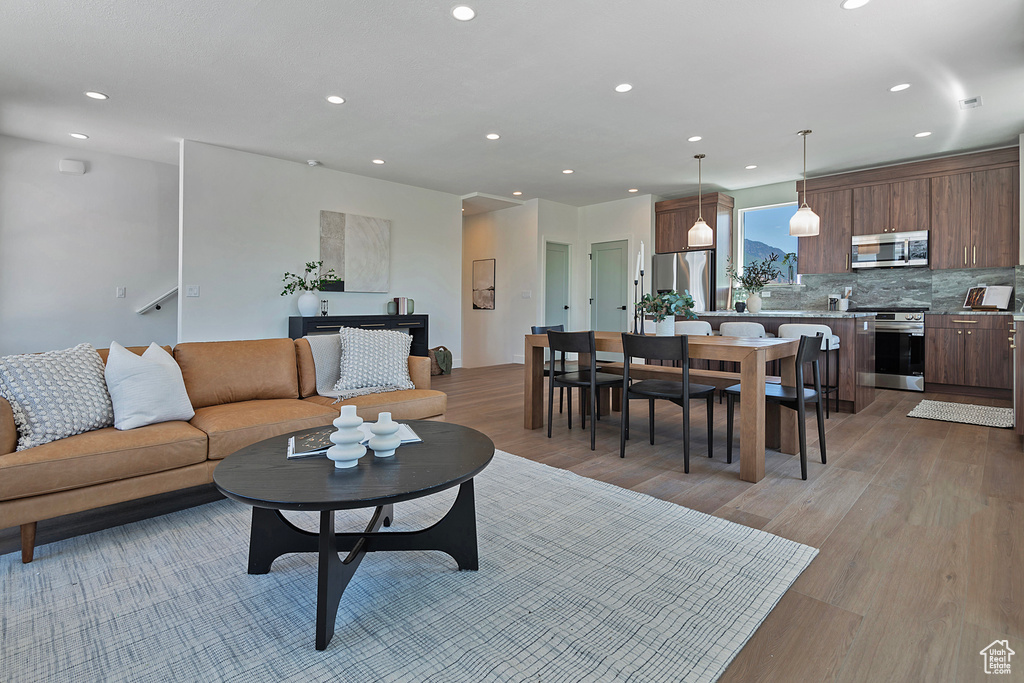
(785, 314)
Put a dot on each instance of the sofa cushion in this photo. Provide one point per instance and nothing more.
(145, 389)
(307, 368)
(233, 371)
(232, 426)
(373, 361)
(55, 394)
(100, 456)
(414, 404)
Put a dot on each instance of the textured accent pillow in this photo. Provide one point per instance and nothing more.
(56, 394)
(373, 361)
(326, 350)
(145, 389)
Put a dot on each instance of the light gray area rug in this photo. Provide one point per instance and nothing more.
(967, 413)
(579, 581)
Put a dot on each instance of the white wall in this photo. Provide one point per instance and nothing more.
(67, 241)
(246, 219)
(510, 236)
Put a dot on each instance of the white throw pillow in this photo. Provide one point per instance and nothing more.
(55, 394)
(145, 389)
(373, 361)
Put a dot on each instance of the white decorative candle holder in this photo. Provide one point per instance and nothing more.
(385, 440)
(347, 450)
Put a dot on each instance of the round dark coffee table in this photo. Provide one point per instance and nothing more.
(261, 476)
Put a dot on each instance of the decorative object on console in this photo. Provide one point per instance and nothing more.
(391, 308)
(805, 222)
(664, 307)
(700, 234)
(347, 440)
(483, 285)
(56, 394)
(740, 307)
(756, 275)
(372, 362)
(358, 248)
(385, 440)
(323, 307)
(312, 280)
(145, 389)
(403, 306)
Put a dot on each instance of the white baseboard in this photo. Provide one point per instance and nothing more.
(519, 358)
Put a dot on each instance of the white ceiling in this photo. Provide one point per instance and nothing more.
(422, 89)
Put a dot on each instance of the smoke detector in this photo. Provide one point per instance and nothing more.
(971, 102)
(313, 162)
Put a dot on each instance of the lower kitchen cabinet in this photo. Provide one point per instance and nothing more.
(1018, 371)
(968, 351)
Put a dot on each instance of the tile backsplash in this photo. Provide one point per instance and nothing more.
(937, 290)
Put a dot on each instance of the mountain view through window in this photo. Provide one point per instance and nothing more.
(766, 232)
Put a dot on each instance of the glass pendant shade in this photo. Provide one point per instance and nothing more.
(701, 235)
(804, 223)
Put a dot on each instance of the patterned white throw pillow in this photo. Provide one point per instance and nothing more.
(56, 394)
(145, 389)
(373, 361)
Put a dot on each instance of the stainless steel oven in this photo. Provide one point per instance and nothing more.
(899, 350)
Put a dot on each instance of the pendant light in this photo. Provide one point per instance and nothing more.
(804, 222)
(700, 235)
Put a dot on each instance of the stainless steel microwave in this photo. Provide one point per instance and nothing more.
(890, 250)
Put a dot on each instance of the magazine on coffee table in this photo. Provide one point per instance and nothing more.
(317, 443)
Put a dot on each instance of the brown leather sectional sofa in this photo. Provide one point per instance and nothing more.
(242, 392)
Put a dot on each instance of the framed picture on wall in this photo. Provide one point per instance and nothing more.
(483, 284)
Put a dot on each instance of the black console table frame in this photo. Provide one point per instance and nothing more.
(299, 326)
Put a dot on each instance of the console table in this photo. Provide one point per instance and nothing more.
(300, 326)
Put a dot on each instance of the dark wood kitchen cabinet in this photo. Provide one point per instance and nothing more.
(968, 351)
(829, 251)
(950, 237)
(891, 207)
(975, 219)
(673, 219)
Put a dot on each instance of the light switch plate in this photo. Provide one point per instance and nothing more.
(526, 294)
(765, 294)
(192, 290)
(119, 292)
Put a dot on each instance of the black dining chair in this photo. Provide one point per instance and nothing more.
(588, 379)
(795, 398)
(676, 348)
(549, 367)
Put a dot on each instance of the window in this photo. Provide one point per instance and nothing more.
(764, 230)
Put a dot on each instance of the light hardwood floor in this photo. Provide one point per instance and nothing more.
(920, 526)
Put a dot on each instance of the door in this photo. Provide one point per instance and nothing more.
(556, 285)
(608, 305)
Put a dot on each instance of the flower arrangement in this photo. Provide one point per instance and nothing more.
(310, 281)
(664, 304)
(756, 275)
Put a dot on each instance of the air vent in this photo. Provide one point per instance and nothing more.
(971, 102)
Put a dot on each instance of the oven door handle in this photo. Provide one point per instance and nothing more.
(912, 328)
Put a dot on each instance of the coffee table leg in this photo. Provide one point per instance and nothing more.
(272, 536)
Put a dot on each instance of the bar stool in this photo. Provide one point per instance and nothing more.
(829, 343)
(740, 329)
(696, 328)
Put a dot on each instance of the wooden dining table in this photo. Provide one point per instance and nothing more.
(760, 424)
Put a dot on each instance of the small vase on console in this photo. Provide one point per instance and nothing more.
(754, 302)
(309, 304)
(347, 448)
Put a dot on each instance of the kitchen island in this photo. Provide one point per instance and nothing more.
(856, 355)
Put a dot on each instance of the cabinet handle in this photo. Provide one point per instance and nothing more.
(970, 331)
(371, 324)
(974, 255)
(965, 254)
(847, 261)
(1012, 346)
(971, 322)
(959, 331)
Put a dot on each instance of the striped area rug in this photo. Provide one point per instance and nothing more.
(579, 581)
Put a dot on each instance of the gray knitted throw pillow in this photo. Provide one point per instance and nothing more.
(373, 361)
(56, 394)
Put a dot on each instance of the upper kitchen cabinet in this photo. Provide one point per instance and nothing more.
(891, 207)
(673, 219)
(829, 251)
(969, 202)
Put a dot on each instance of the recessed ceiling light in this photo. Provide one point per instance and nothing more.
(378, 161)
(335, 99)
(901, 86)
(567, 171)
(633, 189)
(751, 167)
(79, 136)
(695, 138)
(96, 95)
(853, 4)
(517, 193)
(623, 87)
(923, 134)
(493, 136)
(463, 13)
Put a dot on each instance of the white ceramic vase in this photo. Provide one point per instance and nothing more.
(347, 450)
(666, 327)
(754, 302)
(385, 440)
(309, 304)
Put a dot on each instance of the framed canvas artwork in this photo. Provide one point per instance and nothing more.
(358, 248)
(483, 285)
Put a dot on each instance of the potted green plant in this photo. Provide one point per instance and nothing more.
(756, 275)
(309, 283)
(664, 307)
